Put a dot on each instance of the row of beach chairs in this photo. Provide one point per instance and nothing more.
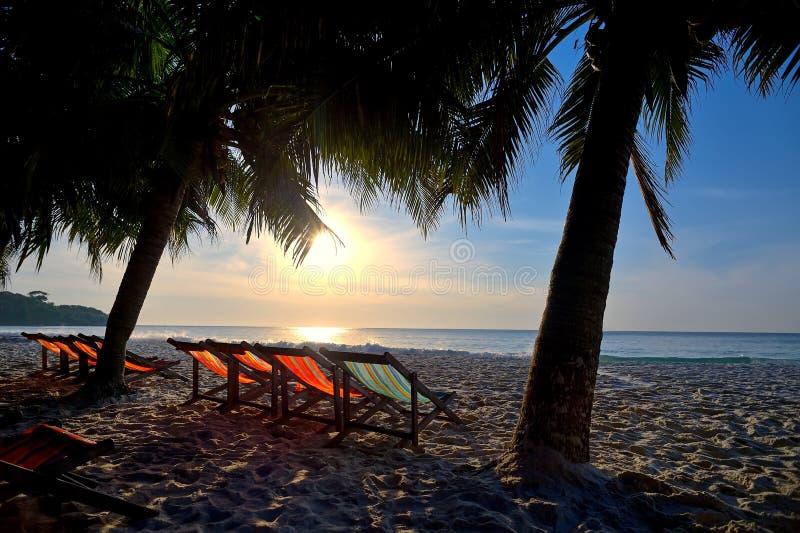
(345, 390)
(297, 382)
(356, 386)
(82, 349)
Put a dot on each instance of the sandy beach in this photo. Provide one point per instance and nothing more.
(675, 445)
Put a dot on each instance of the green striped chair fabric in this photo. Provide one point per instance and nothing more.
(384, 379)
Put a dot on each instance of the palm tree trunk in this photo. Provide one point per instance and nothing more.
(557, 403)
(108, 378)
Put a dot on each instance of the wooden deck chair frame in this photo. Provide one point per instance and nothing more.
(85, 360)
(235, 353)
(311, 396)
(417, 419)
(233, 371)
(57, 480)
(163, 369)
(63, 363)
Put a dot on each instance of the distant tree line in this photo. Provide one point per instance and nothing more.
(35, 310)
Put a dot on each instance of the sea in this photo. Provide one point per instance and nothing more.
(735, 348)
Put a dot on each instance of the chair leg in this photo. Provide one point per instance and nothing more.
(414, 411)
(83, 366)
(233, 384)
(195, 379)
(284, 393)
(337, 405)
(346, 388)
(68, 491)
(273, 385)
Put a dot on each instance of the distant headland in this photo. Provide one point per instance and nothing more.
(35, 310)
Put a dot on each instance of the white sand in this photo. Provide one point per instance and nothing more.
(674, 445)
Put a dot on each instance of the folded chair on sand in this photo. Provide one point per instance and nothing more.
(317, 378)
(387, 377)
(229, 368)
(40, 459)
(136, 366)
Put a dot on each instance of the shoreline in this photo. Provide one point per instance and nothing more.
(715, 444)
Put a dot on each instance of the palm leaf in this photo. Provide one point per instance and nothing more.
(678, 70)
(766, 48)
(653, 192)
(572, 119)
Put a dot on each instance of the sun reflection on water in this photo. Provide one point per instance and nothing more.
(318, 333)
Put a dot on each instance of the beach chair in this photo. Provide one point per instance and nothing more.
(40, 459)
(231, 370)
(136, 366)
(59, 346)
(317, 379)
(388, 378)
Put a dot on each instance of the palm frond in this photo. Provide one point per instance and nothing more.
(572, 119)
(653, 192)
(266, 183)
(6, 256)
(677, 71)
(492, 133)
(766, 48)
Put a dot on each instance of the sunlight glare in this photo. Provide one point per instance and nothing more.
(318, 333)
(326, 252)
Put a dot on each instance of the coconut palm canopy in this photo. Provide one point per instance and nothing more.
(254, 109)
(245, 104)
(236, 109)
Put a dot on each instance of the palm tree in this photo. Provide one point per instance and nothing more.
(89, 162)
(643, 61)
(236, 108)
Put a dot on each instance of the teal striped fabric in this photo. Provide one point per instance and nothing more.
(384, 380)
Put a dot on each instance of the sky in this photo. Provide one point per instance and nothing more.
(734, 210)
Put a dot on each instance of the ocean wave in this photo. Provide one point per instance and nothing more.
(157, 335)
(379, 349)
(162, 335)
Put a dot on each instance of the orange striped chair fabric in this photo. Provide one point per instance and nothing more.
(309, 372)
(42, 446)
(213, 363)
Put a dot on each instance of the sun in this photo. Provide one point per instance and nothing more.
(327, 252)
(318, 333)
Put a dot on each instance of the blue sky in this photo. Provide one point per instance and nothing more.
(735, 220)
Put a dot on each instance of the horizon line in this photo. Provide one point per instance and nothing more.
(12, 326)
(458, 329)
